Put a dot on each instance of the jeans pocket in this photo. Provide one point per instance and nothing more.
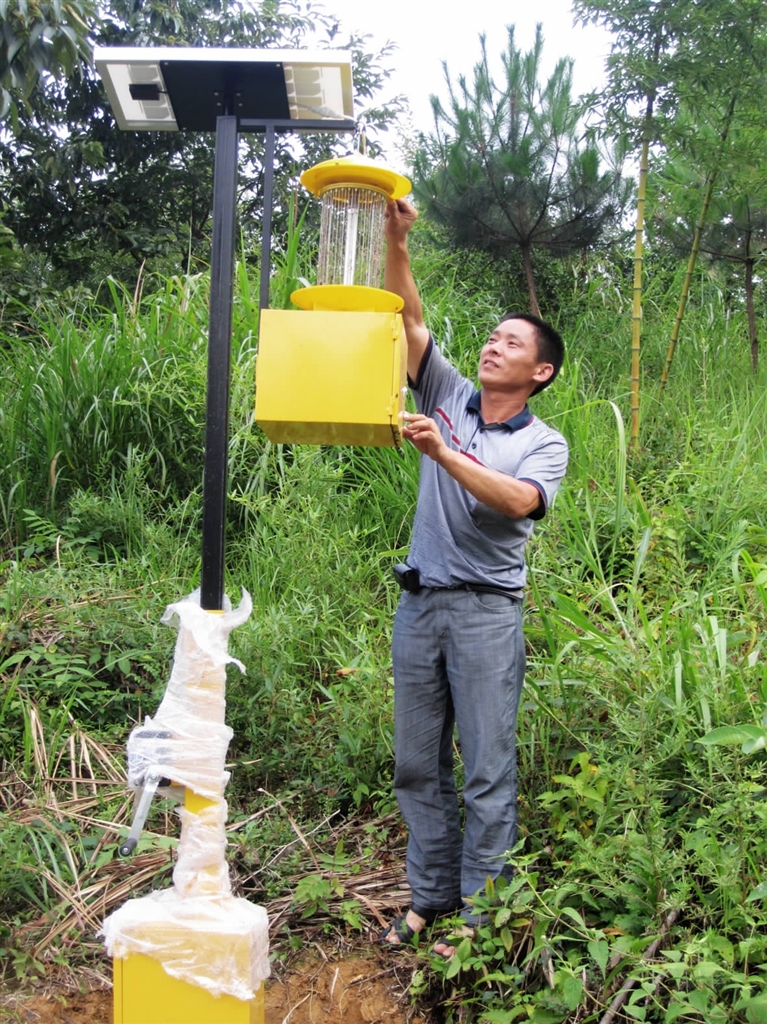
(489, 602)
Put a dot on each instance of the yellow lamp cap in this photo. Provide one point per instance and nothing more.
(355, 170)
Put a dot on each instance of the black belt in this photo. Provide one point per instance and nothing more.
(410, 579)
(481, 588)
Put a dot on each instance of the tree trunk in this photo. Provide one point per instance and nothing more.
(752, 331)
(530, 278)
(688, 278)
(710, 178)
(636, 312)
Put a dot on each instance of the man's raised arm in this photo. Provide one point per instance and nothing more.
(400, 217)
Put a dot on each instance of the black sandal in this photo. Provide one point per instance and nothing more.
(401, 929)
(404, 932)
(452, 940)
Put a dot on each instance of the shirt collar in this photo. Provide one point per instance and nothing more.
(522, 419)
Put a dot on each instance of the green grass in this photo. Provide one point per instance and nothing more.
(645, 628)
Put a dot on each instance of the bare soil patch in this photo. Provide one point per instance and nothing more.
(313, 989)
(357, 990)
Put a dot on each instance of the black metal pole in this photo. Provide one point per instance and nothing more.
(266, 220)
(219, 359)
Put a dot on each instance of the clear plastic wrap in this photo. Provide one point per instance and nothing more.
(190, 718)
(221, 945)
(197, 930)
(201, 868)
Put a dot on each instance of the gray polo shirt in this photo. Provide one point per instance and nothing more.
(456, 539)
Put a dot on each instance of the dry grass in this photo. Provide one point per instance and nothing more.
(378, 884)
(82, 791)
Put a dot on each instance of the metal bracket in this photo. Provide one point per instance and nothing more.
(148, 790)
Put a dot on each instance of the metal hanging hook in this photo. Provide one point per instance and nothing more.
(362, 140)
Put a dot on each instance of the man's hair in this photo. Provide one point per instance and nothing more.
(551, 348)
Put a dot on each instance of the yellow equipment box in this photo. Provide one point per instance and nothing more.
(329, 377)
(145, 994)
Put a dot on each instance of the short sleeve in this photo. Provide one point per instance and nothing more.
(544, 467)
(437, 379)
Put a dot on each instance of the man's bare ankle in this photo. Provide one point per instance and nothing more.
(444, 947)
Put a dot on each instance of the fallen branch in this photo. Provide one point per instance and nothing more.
(623, 993)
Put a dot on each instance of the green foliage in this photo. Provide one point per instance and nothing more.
(715, 152)
(645, 629)
(8, 252)
(676, 75)
(692, 54)
(35, 39)
(100, 398)
(317, 640)
(314, 891)
(97, 201)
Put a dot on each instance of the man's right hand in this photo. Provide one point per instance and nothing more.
(400, 217)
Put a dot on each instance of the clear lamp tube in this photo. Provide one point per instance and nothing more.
(351, 236)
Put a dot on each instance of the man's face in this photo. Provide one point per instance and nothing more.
(509, 359)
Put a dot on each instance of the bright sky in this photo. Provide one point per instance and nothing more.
(428, 32)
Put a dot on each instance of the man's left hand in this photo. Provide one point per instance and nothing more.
(514, 498)
(424, 434)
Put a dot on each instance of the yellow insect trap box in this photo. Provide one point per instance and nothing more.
(334, 371)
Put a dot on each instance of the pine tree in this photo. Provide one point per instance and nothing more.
(505, 167)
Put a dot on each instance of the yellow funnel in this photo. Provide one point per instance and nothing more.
(355, 170)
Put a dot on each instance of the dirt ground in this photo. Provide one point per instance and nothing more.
(313, 989)
(338, 976)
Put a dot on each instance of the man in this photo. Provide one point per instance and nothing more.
(488, 469)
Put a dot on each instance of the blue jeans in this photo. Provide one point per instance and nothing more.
(459, 659)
